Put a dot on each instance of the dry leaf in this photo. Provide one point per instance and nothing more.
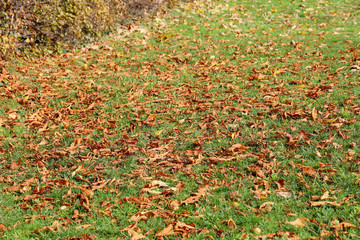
(2, 227)
(342, 226)
(314, 113)
(325, 195)
(174, 205)
(157, 183)
(84, 226)
(256, 230)
(135, 235)
(169, 230)
(237, 148)
(284, 194)
(322, 203)
(230, 223)
(299, 223)
(266, 206)
(149, 190)
(87, 192)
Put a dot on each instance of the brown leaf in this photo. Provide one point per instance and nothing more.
(230, 223)
(266, 206)
(322, 203)
(192, 199)
(169, 230)
(157, 183)
(84, 226)
(267, 236)
(301, 179)
(324, 234)
(220, 159)
(299, 223)
(342, 226)
(79, 169)
(314, 113)
(149, 190)
(145, 215)
(237, 148)
(13, 188)
(87, 192)
(201, 192)
(284, 194)
(84, 202)
(174, 205)
(135, 235)
(150, 120)
(325, 195)
(91, 106)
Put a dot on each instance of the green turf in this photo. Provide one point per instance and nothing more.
(247, 110)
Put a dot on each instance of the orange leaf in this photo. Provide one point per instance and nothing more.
(2, 227)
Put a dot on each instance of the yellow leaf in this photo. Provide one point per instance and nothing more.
(244, 236)
(233, 135)
(330, 120)
(256, 230)
(158, 133)
(85, 67)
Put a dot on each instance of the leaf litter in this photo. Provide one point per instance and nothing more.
(181, 129)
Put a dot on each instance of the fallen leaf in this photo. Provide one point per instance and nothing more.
(342, 226)
(2, 227)
(230, 223)
(135, 235)
(314, 113)
(175, 204)
(84, 226)
(266, 206)
(237, 148)
(284, 194)
(167, 231)
(157, 183)
(299, 222)
(322, 203)
(256, 230)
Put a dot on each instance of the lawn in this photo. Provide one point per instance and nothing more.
(215, 120)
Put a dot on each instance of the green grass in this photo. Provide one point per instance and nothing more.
(168, 102)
